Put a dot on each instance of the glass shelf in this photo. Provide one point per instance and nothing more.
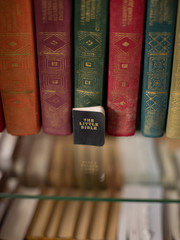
(77, 172)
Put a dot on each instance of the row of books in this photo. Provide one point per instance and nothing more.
(95, 220)
(106, 73)
(44, 160)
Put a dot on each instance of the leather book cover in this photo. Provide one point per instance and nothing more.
(18, 73)
(173, 119)
(90, 30)
(54, 50)
(158, 53)
(89, 126)
(125, 48)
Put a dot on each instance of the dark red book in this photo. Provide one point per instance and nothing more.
(1, 116)
(54, 41)
(125, 47)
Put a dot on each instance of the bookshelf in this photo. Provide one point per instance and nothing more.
(135, 172)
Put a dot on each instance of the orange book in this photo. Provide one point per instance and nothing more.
(18, 73)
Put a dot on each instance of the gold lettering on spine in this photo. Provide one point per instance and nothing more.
(49, 10)
(159, 12)
(130, 11)
(88, 11)
(61, 13)
(9, 18)
(127, 12)
(93, 9)
(52, 10)
(98, 15)
(124, 13)
(44, 11)
(83, 11)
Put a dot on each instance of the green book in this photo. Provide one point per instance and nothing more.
(89, 57)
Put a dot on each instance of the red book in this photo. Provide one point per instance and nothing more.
(125, 47)
(1, 117)
(54, 41)
(18, 74)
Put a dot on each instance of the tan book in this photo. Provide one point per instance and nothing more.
(89, 167)
(112, 163)
(100, 218)
(173, 118)
(113, 219)
(98, 175)
(70, 217)
(55, 218)
(69, 179)
(41, 217)
(62, 161)
(38, 165)
(19, 215)
(57, 164)
(86, 213)
(82, 165)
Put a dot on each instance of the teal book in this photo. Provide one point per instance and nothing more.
(158, 53)
(90, 35)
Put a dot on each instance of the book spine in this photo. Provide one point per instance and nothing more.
(2, 125)
(159, 43)
(90, 44)
(54, 43)
(125, 48)
(18, 73)
(173, 120)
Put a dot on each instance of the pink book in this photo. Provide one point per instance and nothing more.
(54, 41)
(125, 47)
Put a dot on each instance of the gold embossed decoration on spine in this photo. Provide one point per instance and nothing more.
(53, 32)
(90, 45)
(173, 120)
(158, 56)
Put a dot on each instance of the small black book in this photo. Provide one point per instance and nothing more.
(89, 125)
